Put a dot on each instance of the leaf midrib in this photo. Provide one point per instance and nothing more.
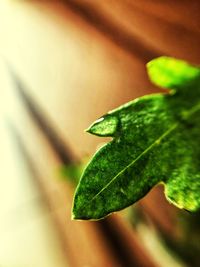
(187, 115)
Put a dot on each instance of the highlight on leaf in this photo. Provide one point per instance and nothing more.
(155, 140)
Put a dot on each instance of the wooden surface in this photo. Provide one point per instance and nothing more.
(157, 27)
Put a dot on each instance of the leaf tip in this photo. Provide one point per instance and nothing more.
(74, 214)
(73, 217)
(104, 126)
(88, 130)
(181, 198)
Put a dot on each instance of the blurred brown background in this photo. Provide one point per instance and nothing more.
(63, 65)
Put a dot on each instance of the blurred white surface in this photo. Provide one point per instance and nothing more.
(28, 235)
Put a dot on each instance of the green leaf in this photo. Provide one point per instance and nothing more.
(156, 139)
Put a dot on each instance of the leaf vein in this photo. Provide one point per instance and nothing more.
(157, 141)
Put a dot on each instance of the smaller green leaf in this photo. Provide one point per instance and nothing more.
(171, 73)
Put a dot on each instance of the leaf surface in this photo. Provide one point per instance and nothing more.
(155, 139)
